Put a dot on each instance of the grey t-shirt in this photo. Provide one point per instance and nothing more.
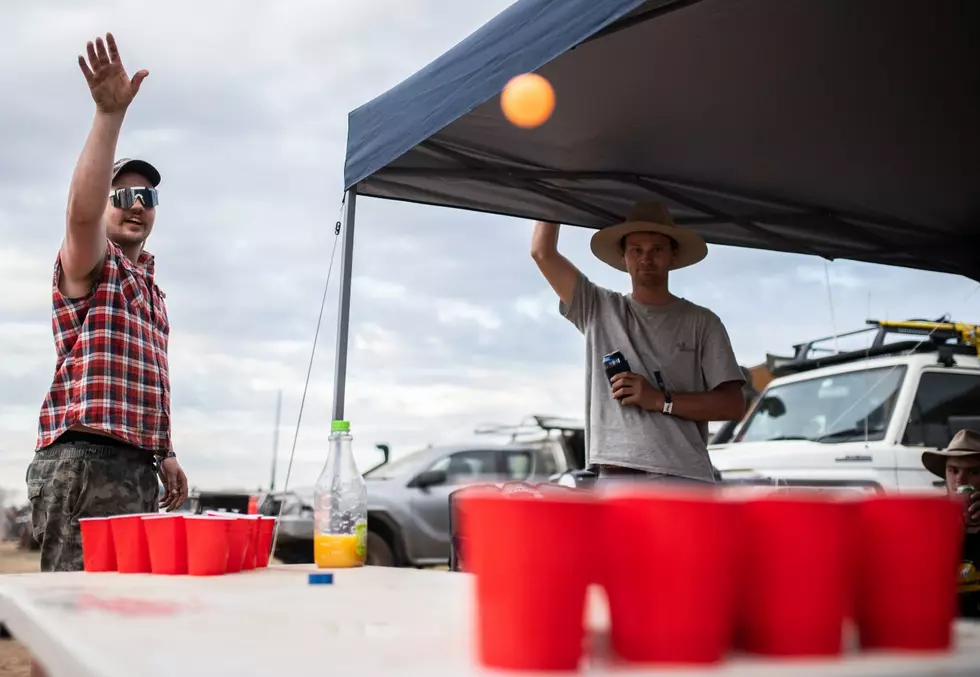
(690, 347)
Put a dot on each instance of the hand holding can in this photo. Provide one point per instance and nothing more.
(970, 499)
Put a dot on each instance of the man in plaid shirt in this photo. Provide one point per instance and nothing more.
(104, 429)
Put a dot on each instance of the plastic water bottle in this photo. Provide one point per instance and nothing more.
(340, 506)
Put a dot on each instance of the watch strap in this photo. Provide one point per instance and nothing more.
(668, 403)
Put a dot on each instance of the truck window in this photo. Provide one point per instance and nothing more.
(855, 405)
(939, 396)
(463, 467)
(519, 465)
(546, 464)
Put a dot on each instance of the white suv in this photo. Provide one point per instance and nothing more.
(862, 419)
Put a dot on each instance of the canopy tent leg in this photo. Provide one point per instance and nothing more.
(343, 313)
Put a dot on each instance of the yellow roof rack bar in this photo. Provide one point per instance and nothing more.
(962, 332)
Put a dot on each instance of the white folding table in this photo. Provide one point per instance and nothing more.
(370, 621)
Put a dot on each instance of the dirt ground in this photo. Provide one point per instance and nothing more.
(14, 660)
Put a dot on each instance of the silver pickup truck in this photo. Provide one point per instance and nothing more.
(408, 498)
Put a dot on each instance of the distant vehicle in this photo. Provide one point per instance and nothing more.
(408, 498)
(225, 501)
(860, 419)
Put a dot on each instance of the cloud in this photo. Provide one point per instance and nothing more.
(451, 312)
(371, 288)
(536, 306)
(837, 277)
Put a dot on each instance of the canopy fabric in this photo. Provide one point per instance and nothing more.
(838, 128)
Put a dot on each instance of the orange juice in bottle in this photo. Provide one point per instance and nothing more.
(340, 506)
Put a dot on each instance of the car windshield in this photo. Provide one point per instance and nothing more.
(844, 407)
(394, 468)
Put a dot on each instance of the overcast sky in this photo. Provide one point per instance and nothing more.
(245, 114)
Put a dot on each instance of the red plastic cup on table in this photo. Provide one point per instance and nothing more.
(251, 526)
(908, 561)
(852, 501)
(166, 537)
(239, 538)
(267, 526)
(129, 539)
(667, 574)
(207, 544)
(533, 557)
(795, 587)
(252, 548)
(98, 550)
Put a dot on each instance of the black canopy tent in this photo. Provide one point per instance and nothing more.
(837, 128)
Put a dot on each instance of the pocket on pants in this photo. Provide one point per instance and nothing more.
(38, 513)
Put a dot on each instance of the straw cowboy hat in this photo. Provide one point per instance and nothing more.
(648, 217)
(964, 443)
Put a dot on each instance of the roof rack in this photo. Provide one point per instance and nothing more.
(941, 336)
(533, 425)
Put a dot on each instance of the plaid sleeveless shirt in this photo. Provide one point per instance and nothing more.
(111, 372)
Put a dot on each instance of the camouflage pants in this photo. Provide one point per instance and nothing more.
(66, 481)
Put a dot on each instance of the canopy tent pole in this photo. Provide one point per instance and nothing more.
(343, 312)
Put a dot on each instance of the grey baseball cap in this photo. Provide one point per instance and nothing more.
(141, 167)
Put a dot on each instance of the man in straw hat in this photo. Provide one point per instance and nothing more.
(652, 421)
(959, 465)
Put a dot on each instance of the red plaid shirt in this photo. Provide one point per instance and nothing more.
(111, 372)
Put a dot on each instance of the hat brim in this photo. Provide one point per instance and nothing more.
(935, 461)
(691, 247)
(141, 167)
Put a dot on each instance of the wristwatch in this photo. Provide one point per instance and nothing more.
(668, 403)
(165, 455)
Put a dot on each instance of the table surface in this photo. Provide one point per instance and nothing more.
(371, 621)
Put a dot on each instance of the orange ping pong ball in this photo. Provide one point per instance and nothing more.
(528, 100)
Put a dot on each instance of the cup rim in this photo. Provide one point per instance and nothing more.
(666, 494)
(487, 494)
(132, 514)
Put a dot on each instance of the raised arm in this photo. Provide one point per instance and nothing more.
(561, 274)
(85, 234)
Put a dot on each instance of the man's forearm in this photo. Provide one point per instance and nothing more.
(722, 404)
(559, 271)
(93, 173)
(544, 240)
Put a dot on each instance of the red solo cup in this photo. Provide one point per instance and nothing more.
(207, 545)
(795, 583)
(909, 556)
(239, 534)
(267, 526)
(851, 502)
(129, 538)
(533, 562)
(244, 532)
(98, 550)
(668, 574)
(166, 536)
(252, 548)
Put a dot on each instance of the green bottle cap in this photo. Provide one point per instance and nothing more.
(340, 426)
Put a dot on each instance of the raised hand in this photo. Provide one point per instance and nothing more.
(112, 89)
